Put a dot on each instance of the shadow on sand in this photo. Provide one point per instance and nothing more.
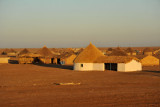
(151, 71)
(69, 67)
(13, 62)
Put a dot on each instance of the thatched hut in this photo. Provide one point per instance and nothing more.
(91, 58)
(67, 58)
(148, 51)
(9, 52)
(109, 51)
(24, 57)
(148, 60)
(4, 59)
(46, 55)
(118, 52)
(24, 51)
(130, 51)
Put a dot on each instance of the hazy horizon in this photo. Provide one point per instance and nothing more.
(76, 23)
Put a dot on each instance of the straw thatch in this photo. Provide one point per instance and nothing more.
(24, 51)
(89, 54)
(140, 56)
(115, 59)
(148, 50)
(66, 55)
(45, 52)
(118, 52)
(5, 51)
(130, 50)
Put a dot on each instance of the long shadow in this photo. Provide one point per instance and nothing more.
(69, 67)
(13, 61)
(151, 71)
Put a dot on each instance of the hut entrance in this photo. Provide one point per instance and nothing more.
(36, 60)
(52, 60)
(58, 61)
(111, 66)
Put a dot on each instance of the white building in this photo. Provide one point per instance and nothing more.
(4, 59)
(92, 59)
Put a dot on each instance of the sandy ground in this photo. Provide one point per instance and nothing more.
(33, 86)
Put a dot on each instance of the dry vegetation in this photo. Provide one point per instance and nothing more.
(33, 85)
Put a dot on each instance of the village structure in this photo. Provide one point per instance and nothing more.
(86, 59)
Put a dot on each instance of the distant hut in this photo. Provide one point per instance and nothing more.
(24, 51)
(67, 58)
(4, 59)
(9, 52)
(91, 59)
(55, 51)
(118, 52)
(46, 55)
(148, 51)
(148, 60)
(109, 51)
(24, 57)
(130, 51)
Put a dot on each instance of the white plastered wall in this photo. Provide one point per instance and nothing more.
(131, 66)
(4, 60)
(89, 66)
(98, 67)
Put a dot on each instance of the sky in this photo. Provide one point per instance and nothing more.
(76, 23)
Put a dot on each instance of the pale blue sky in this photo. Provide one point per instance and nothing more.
(75, 23)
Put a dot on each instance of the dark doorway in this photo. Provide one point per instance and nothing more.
(58, 61)
(107, 66)
(52, 60)
(36, 60)
(111, 66)
(114, 66)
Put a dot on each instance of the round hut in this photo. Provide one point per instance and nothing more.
(46, 55)
(130, 51)
(118, 52)
(148, 51)
(85, 60)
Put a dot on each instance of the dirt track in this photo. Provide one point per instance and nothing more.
(33, 85)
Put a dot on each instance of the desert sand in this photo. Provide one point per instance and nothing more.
(30, 85)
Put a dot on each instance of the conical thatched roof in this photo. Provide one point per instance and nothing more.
(118, 52)
(148, 50)
(45, 51)
(89, 54)
(129, 50)
(24, 51)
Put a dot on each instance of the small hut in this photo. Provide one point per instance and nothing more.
(46, 55)
(24, 57)
(24, 51)
(118, 52)
(9, 52)
(148, 60)
(67, 58)
(130, 51)
(4, 59)
(148, 51)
